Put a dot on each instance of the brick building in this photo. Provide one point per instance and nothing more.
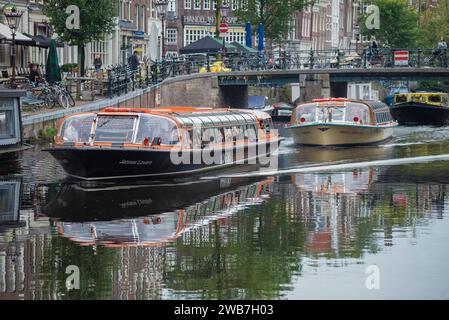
(191, 20)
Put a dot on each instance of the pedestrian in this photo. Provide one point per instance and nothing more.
(442, 52)
(34, 74)
(97, 63)
(133, 61)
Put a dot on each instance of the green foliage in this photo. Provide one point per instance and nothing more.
(68, 66)
(275, 15)
(435, 24)
(96, 19)
(398, 24)
(48, 133)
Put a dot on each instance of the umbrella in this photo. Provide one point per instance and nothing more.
(52, 70)
(260, 31)
(248, 34)
(206, 45)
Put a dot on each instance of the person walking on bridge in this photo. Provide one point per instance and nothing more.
(442, 52)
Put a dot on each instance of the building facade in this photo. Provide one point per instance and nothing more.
(191, 20)
(327, 24)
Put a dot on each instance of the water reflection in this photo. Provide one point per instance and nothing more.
(162, 211)
(219, 239)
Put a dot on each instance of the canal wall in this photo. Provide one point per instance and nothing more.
(35, 124)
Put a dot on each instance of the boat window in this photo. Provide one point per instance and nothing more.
(115, 128)
(357, 111)
(329, 114)
(434, 98)
(228, 134)
(186, 140)
(157, 127)
(306, 113)
(77, 128)
(250, 133)
(401, 98)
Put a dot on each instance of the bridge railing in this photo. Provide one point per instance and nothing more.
(305, 59)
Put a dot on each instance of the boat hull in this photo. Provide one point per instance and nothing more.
(419, 113)
(339, 134)
(99, 163)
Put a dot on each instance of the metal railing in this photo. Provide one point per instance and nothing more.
(121, 79)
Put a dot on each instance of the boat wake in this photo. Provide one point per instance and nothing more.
(336, 167)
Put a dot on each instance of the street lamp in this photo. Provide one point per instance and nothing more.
(161, 8)
(13, 17)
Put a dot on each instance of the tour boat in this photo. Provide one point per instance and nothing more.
(139, 142)
(421, 108)
(341, 122)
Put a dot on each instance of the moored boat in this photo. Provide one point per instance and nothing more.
(136, 142)
(341, 122)
(429, 108)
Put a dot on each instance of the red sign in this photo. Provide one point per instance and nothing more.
(401, 58)
(223, 27)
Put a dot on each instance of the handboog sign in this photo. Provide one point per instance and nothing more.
(401, 58)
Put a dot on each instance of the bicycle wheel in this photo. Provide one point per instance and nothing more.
(70, 99)
(63, 100)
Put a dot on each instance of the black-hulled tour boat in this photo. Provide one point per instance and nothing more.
(136, 142)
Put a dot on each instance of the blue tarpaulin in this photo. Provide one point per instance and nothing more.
(248, 34)
(261, 35)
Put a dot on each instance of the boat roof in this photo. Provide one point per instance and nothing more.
(188, 112)
(423, 93)
(341, 102)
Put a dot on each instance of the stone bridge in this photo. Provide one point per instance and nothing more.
(230, 89)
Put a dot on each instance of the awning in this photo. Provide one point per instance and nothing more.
(206, 45)
(5, 33)
(41, 41)
(243, 48)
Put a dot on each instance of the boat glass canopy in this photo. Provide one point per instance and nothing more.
(349, 112)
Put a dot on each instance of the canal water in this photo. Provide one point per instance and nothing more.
(368, 222)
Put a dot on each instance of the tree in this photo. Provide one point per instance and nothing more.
(275, 15)
(435, 24)
(96, 18)
(398, 25)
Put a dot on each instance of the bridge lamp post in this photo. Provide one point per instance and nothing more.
(161, 8)
(13, 17)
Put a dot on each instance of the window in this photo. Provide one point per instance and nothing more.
(187, 4)
(214, 4)
(172, 6)
(120, 9)
(172, 36)
(143, 14)
(77, 128)
(234, 5)
(151, 127)
(194, 34)
(118, 129)
(6, 124)
(206, 4)
(99, 48)
(197, 4)
(136, 16)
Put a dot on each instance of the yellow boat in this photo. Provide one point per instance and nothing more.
(421, 108)
(341, 122)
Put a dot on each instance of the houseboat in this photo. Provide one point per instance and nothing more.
(137, 142)
(11, 142)
(341, 122)
(421, 108)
